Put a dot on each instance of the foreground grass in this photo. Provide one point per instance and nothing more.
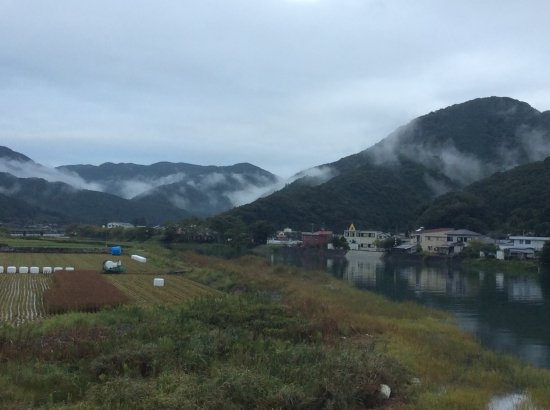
(278, 337)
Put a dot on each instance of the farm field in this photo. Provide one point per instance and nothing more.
(140, 290)
(21, 297)
(77, 261)
(48, 243)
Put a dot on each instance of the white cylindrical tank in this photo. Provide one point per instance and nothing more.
(69, 268)
(158, 282)
(1, 269)
(23, 269)
(46, 269)
(12, 269)
(57, 268)
(35, 269)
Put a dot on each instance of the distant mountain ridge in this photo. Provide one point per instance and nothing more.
(448, 149)
(121, 192)
(201, 190)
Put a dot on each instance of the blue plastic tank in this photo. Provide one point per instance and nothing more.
(116, 250)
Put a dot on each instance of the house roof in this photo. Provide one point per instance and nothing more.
(404, 247)
(532, 238)
(435, 230)
(464, 232)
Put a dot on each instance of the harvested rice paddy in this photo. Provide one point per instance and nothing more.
(79, 261)
(140, 290)
(21, 297)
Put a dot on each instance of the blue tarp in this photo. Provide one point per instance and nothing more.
(116, 250)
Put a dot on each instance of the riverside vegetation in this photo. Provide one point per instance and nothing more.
(273, 337)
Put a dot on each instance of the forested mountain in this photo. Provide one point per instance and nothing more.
(515, 201)
(202, 190)
(83, 205)
(447, 149)
(17, 212)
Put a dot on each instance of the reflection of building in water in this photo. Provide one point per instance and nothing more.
(363, 267)
(433, 280)
(499, 281)
(525, 290)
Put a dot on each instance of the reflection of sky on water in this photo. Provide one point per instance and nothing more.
(509, 314)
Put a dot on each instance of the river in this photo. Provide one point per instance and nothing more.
(508, 313)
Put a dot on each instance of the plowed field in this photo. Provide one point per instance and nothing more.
(77, 261)
(140, 289)
(21, 297)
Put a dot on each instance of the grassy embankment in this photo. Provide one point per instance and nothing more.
(281, 338)
(505, 266)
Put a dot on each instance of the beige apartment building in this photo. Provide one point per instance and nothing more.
(431, 239)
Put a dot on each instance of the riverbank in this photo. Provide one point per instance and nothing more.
(506, 266)
(281, 337)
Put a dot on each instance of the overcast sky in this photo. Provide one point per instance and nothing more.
(282, 84)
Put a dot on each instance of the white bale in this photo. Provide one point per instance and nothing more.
(35, 269)
(1, 269)
(23, 269)
(12, 269)
(139, 258)
(46, 269)
(69, 268)
(158, 282)
(57, 268)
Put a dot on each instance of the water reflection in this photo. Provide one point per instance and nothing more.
(506, 313)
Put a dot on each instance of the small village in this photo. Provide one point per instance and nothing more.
(439, 241)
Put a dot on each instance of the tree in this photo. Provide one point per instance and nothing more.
(260, 231)
(544, 257)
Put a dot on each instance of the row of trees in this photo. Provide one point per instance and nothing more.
(222, 228)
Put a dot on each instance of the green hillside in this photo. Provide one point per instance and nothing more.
(371, 196)
(514, 201)
(17, 212)
(385, 185)
(82, 205)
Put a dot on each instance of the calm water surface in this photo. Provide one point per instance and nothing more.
(506, 313)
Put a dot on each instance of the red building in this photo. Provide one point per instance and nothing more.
(316, 238)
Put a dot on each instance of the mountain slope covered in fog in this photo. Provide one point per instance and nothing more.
(513, 201)
(201, 190)
(82, 205)
(449, 148)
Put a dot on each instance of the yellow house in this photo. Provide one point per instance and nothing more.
(431, 239)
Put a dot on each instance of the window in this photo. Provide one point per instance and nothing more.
(429, 248)
(528, 242)
(429, 238)
(371, 235)
(521, 241)
(346, 233)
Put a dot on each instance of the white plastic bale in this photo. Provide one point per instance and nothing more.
(139, 258)
(69, 268)
(23, 269)
(46, 269)
(35, 269)
(1, 269)
(12, 269)
(158, 282)
(57, 268)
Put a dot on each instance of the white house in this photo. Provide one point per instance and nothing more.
(535, 242)
(363, 240)
(117, 224)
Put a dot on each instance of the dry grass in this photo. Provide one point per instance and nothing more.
(176, 290)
